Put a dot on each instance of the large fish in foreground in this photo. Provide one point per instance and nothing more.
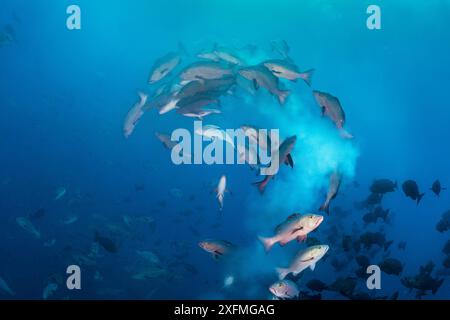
(333, 189)
(296, 226)
(262, 77)
(284, 156)
(331, 107)
(133, 116)
(164, 65)
(306, 258)
(288, 70)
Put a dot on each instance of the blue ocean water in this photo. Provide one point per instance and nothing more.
(64, 96)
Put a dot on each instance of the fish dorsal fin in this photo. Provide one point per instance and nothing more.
(293, 216)
(313, 266)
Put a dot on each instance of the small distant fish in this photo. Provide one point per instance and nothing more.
(220, 191)
(288, 70)
(49, 290)
(284, 289)
(106, 243)
(26, 224)
(60, 192)
(217, 248)
(166, 64)
(148, 256)
(436, 187)
(304, 259)
(411, 190)
(70, 219)
(228, 282)
(332, 108)
(5, 287)
(382, 186)
(391, 266)
(199, 113)
(134, 115)
(296, 226)
(176, 193)
(333, 189)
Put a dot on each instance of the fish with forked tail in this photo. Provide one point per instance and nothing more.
(296, 226)
(304, 259)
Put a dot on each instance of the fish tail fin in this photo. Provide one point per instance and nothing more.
(345, 134)
(307, 75)
(282, 96)
(267, 243)
(143, 97)
(325, 207)
(261, 185)
(282, 272)
(420, 197)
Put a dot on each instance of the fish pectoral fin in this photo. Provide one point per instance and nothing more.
(289, 161)
(255, 84)
(323, 110)
(313, 266)
(301, 238)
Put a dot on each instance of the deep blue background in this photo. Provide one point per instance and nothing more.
(64, 95)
